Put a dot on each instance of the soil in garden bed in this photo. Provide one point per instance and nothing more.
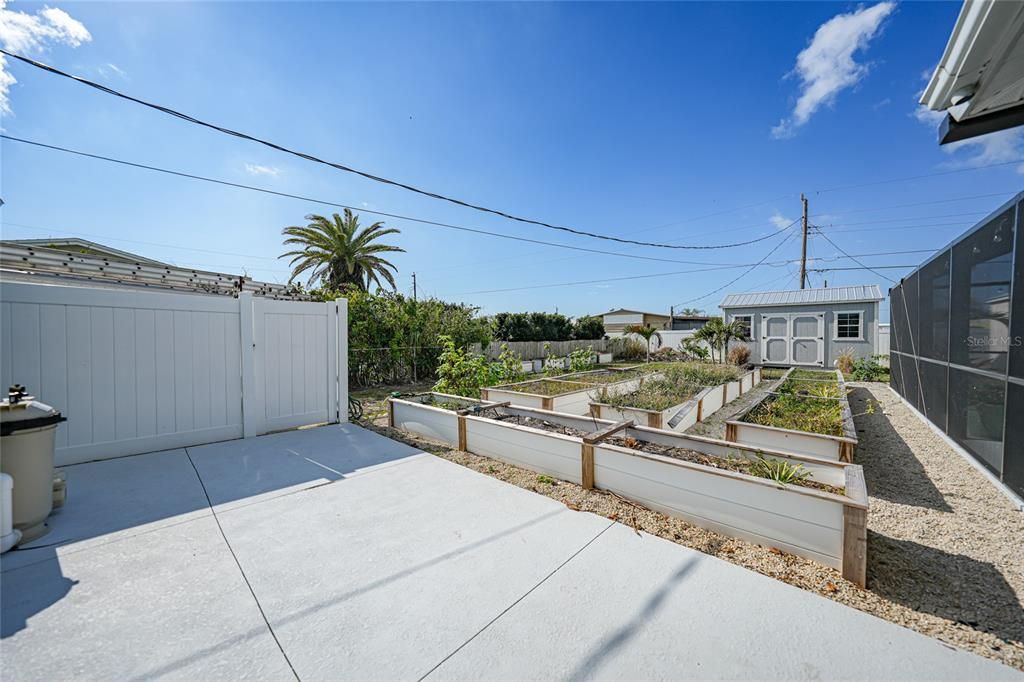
(737, 464)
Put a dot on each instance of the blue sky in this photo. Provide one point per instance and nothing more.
(683, 123)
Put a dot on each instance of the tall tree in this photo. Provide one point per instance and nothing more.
(335, 251)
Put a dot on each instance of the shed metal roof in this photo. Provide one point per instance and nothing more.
(851, 294)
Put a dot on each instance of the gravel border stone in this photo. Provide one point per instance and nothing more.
(945, 548)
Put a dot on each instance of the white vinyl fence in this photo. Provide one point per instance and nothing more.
(136, 370)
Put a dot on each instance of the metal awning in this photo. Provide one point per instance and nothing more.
(980, 80)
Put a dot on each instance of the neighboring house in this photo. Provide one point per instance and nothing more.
(616, 321)
(85, 248)
(689, 323)
(808, 327)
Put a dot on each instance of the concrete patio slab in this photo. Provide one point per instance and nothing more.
(373, 560)
(634, 605)
(380, 577)
(169, 603)
(115, 498)
(241, 472)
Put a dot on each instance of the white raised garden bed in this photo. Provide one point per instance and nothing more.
(826, 446)
(823, 526)
(684, 415)
(575, 399)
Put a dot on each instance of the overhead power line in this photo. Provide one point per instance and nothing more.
(744, 274)
(342, 167)
(632, 277)
(423, 221)
(826, 237)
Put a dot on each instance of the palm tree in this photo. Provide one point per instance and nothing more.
(718, 334)
(337, 251)
(647, 332)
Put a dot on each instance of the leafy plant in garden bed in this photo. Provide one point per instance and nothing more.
(813, 415)
(678, 383)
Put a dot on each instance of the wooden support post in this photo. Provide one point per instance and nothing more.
(730, 432)
(587, 465)
(700, 409)
(391, 413)
(846, 452)
(546, 403)
(587, 451)
(654, 420)
(725, 393)
(462, 433)
(855, 529)
(611, 430)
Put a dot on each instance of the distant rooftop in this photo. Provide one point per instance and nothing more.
(85, 247)
(851, 294)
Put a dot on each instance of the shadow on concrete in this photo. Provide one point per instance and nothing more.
(612, 644)
(26, 595)
(952, 586)
(117, 498)
(897, 475)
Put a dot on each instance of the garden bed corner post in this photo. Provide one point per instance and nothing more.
(855, 528)
(391, 413)
(463, 446)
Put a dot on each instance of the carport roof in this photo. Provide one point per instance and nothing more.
(850, 294)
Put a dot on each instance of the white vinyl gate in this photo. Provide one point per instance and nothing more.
(139, 370)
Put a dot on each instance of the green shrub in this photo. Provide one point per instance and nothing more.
(581, 359)
(588, 328)
(632, 350)
(508, 369)
(869, 369)
(460, 372)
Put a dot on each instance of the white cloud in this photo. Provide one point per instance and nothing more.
(780, 221)
(256, 169)
(107, 69)
(27, 33)
(826, 67)
(1000, 147)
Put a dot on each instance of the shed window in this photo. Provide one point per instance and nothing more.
(745, 321)
(848, 326)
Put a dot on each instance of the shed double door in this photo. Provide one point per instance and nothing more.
(793, 339)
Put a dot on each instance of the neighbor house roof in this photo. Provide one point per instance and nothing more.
(630, 310)
(851, 294)
(86, 247)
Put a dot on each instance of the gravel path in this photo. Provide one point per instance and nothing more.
(942, 541)
(714, 426)
(945, 549)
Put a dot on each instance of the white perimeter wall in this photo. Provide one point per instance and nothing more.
(138, 370)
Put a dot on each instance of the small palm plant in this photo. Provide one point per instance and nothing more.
(646, 332)
(779, 470)
(336, 252)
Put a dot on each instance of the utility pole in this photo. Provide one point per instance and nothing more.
(803, 251)
(671, 316)
(415, 316)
